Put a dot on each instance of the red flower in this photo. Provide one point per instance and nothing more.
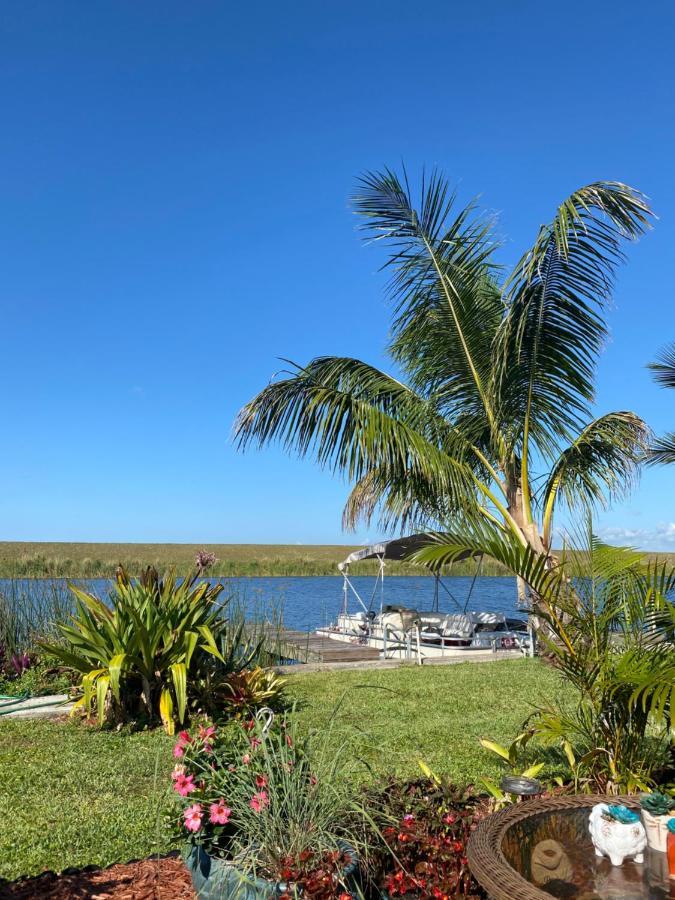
(261, 781)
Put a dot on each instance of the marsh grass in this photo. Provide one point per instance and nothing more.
(84, 560)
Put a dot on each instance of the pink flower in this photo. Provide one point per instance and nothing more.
(408, 817)
(313, 780)
(184, 784)
(259, 801)
(246, 759)
(177, 770)
(184, 740)
(193, 817)
(261, 781)
(207, 734)
(219, 813)
(289, 740)
(255, 743)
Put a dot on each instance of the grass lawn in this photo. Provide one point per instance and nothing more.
(74, 796)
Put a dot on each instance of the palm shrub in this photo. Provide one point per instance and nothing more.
(609, 631)
(139, 654)
(491, 420)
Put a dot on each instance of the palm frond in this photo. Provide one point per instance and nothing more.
(556, 296)
(662, 450)
(664, 367)
(599, 465)
(357, 420)
(447, 307)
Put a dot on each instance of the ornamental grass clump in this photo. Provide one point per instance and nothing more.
(275, 805)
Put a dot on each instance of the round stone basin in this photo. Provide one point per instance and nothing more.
(542, 849)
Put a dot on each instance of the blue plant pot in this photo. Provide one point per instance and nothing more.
(216, 879)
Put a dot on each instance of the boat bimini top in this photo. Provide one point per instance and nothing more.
(398, 550)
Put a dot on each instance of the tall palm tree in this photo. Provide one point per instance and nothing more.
(662, 450)
(491, 419)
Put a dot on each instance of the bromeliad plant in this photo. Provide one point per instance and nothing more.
(139, 654)
(273, 803)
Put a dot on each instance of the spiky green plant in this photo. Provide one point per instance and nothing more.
(492, 421)
(138, 654)
(610, 634)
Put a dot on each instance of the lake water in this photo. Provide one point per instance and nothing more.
(310, 602)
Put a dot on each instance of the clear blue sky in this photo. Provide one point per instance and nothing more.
(174, 181)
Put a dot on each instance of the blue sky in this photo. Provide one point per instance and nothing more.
(174, 181)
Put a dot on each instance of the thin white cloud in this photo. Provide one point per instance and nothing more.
(660, 537)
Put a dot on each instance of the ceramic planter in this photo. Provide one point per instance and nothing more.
(614, 839)
(657, 830)
(217, 879)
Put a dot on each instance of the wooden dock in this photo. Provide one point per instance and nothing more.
(309, 647)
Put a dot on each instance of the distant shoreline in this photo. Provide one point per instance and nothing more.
(38, 559)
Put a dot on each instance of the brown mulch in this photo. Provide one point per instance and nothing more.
(146, 879)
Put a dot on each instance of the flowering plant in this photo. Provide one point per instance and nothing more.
(273, 803)
(425, 826)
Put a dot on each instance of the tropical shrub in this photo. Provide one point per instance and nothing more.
(138, 655)
(423, 828)
(278, 804)
(608, 630)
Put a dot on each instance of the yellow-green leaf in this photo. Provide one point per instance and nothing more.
(166, 711)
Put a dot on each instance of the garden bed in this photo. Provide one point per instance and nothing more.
(165, 878)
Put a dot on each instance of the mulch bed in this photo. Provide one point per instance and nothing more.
(147, 879)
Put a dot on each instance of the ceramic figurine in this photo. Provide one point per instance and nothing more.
(617, 832)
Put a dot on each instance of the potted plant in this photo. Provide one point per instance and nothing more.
(657, 809)
(265, 813)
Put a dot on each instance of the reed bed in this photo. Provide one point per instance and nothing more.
(35, 560)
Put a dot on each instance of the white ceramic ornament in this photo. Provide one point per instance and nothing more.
(614, 839)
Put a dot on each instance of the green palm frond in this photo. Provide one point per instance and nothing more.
(554, 328)
(664, 367)
(358, 420)
(662, 449)
(599, 465)
(446, 304)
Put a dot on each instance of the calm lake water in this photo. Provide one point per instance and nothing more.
(310, 602)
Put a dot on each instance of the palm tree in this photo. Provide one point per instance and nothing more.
(662, 449)
(490, 421)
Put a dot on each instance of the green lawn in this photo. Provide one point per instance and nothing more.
(73, 796)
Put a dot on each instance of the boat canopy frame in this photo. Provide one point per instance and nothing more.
(399, 550)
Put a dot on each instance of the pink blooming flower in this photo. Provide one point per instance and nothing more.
(177, 770)
(207, 734)
(246, 759)
(261, 781)
(184, 740)
(219, 813)
(193, 817)
(259, 801)
(255, 743)
(184, 784)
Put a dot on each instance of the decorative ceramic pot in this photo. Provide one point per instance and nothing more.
(657, 830)
(217, 879)
(617, 840)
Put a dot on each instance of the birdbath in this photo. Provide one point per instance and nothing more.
(542, 848)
